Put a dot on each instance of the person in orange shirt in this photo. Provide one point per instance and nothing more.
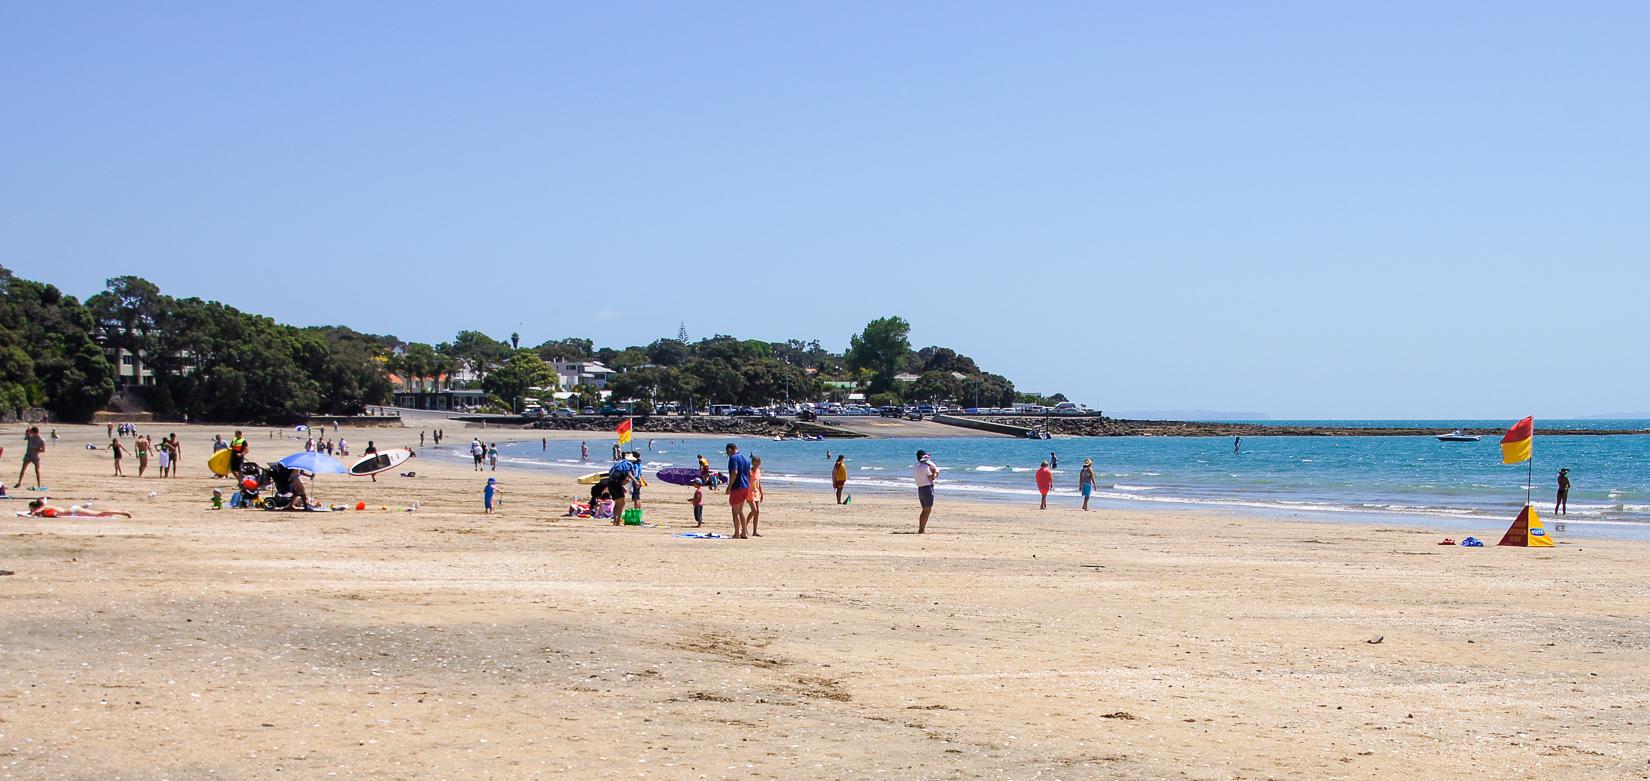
(1045, 483)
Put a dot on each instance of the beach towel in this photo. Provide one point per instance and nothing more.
(702, 536)
(1472, 542)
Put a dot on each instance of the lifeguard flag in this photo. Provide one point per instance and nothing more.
(1519, 443)
(624, 432)
(1527, 531)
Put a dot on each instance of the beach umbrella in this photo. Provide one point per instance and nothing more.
(314, 463)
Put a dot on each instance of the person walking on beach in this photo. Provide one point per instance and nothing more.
(925, 473)
(1085, 481)
(1562, 503)
(1045, 483)
(755, 501)
(584, 451)
(476, 452)
(739, 488)
(33, 447)
(120, 450)
(839, 476)
(492, 456)
(421, 439)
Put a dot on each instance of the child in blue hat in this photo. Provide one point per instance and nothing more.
(487, 493)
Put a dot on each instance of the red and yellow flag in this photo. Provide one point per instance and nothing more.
(624, 433)
(1519, 443)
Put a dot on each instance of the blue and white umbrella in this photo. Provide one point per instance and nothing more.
(314, 463)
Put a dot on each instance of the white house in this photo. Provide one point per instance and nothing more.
(572, 373)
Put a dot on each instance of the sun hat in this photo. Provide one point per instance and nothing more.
(1088, 462)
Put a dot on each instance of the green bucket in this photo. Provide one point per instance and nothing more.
(633, 516)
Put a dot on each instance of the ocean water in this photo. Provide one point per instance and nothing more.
(1347, 477)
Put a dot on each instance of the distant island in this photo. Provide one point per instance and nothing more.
(1190, 415)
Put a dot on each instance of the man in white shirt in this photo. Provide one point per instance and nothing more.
(925, 473)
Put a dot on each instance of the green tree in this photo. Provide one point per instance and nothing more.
(945, 359)
(717, 380)
(525, 369)
(935, 386)
(476, 351)
(566, 350)
(62, 368)
(668, 352)
(127, 312)
(768, 380)
(881, 349)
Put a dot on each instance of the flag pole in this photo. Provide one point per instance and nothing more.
(1529, 475)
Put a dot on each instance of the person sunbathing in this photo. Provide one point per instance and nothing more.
(39, 509)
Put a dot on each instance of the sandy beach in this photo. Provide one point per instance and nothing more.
(187, 643)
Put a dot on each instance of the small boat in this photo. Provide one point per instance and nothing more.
(1458, 436)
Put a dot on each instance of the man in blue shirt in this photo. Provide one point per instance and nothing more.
(739, 488)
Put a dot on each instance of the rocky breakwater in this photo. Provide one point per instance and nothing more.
(1111, 427)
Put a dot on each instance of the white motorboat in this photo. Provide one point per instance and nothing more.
(1458, 436)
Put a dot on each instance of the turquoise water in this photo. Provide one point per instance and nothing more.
(1349, 477)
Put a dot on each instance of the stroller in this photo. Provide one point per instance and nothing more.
(249, 485)
(278, 479)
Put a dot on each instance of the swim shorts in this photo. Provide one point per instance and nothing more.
(838, 483)
(738, 496)
(925, 495)
(1088, 488)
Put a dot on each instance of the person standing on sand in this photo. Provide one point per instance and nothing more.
(1563, 500)
(1085, 481)
(163, 452)
(698, 502)
(33, 447)
(142, 448)
(925, 473)
(739, 488)
(584, 451)
(487, 495)
(755, 501)
(1045, 483)
(421, 439)
(177, 454)
(839, 476)
(119, 449)
(237, 454)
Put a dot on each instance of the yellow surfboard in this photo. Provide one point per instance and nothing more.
(592, 478)
(219, 462)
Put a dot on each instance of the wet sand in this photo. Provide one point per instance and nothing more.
(1008, 643)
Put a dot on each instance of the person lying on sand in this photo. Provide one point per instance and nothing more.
(39, 509)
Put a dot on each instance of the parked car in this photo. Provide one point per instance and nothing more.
(913, 414)
(890, 412)
(1070, 408)
(588, 411)
(926, 409)
(561, 412)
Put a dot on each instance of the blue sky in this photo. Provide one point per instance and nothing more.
(1305, 209)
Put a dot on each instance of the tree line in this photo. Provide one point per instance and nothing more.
(210, 361)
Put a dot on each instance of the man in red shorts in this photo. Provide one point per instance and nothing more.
(739, 488)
